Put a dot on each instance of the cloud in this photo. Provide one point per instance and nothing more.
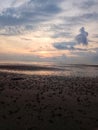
(80, 19)
(64, 45)
(88, 4)
(79, 39)
(82, 37)
(30, 13)
(62, 34)
(68, 46)
(36, 12)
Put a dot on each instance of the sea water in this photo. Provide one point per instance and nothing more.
(52, 69)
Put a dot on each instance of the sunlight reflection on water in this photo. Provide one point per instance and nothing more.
(41, 72)
(62, 70)
(91, 72)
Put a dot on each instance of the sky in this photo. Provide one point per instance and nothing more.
(64, 31)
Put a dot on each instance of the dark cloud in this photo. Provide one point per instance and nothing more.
(79, 39)
(80, 19)
(88, 4)
(62, 34)
(64, 45)
(90, 16)
(67, 46)
(32, 13)
(82, 37)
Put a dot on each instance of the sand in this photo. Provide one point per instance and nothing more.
(31, 102)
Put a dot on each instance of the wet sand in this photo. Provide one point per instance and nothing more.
(27, 67)
(31, 102)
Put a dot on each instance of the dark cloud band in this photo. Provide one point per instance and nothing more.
(79, 39)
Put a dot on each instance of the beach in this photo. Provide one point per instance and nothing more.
(45, 102)
(48, 64)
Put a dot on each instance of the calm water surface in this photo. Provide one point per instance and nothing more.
(57, 69)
